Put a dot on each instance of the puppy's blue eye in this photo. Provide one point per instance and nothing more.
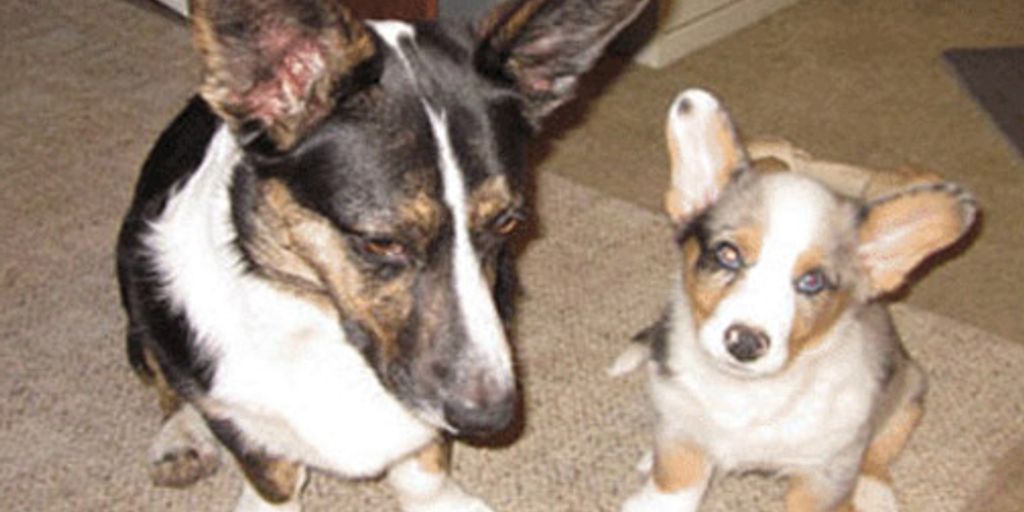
(812, 282)
(728, 256)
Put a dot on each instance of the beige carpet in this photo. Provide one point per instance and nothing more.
(76, 424)
(85, 89)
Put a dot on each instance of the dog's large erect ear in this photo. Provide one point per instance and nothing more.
(543, 46)
(270, 66)
(705, 151)
(898, 232)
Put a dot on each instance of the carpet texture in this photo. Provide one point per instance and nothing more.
(76, 424)
(995, 77)
(88, 85)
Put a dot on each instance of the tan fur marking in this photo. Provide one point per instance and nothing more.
(277, 480)
(801, 498)
(678, 466)
(703, 293)
(731, 150)
(889, 442)
(423, 213)
(303, 252)
(167, 397)
(489, 199)
(748, 239)
(435, 458)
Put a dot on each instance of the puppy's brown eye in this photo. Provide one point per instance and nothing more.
(728, 256)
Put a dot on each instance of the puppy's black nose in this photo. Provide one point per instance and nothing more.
(746, 344)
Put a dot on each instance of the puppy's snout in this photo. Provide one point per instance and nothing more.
(746, 344)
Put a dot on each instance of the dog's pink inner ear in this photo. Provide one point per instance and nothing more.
(276, 62)
(543, 46)
(899, 232)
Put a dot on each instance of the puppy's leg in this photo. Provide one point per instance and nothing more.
(680, 476)
(819, 493)
(874, 488)
(422, 483)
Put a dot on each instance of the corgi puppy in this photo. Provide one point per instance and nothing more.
(776, 352)
(315, 267)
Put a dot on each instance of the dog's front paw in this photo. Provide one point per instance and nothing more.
(184, 451)
(451, 499)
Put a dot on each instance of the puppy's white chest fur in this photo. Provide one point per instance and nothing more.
(285, 373)
(802, 417)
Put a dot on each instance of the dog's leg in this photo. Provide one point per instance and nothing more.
(184, 450)
(874, 488)
(680, 476)
(423, 484)
(271, 484)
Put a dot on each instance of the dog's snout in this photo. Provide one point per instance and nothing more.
(746, 344)
(483, 407)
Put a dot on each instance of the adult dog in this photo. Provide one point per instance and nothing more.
(315, 267)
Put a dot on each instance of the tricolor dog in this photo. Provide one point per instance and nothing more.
(315, 267)
(775, 352)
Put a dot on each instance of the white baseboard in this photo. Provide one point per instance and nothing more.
(181, 6)
(680, 38)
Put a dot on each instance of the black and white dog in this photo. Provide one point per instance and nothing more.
(315, 267)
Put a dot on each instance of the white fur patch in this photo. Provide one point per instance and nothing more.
(650, 499)
(476, 302)
(873, 495)
(423, 491)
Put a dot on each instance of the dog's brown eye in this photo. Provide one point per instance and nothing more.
(507, 225)
(812, 282)
(728, 256)
(507, 222)
(384, 248)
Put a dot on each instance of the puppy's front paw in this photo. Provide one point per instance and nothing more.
(650, 499)
(873, 495)
(184, 451)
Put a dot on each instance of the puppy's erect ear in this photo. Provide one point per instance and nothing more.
(899, 231)
(543, 46)
(705, 152)
(271, 66)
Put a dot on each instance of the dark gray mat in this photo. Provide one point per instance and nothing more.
(995, 77)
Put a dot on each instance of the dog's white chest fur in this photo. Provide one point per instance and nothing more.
(283, 367)
(801, 418)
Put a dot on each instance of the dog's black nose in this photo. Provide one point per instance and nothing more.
(746, 344)
(482, 414)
